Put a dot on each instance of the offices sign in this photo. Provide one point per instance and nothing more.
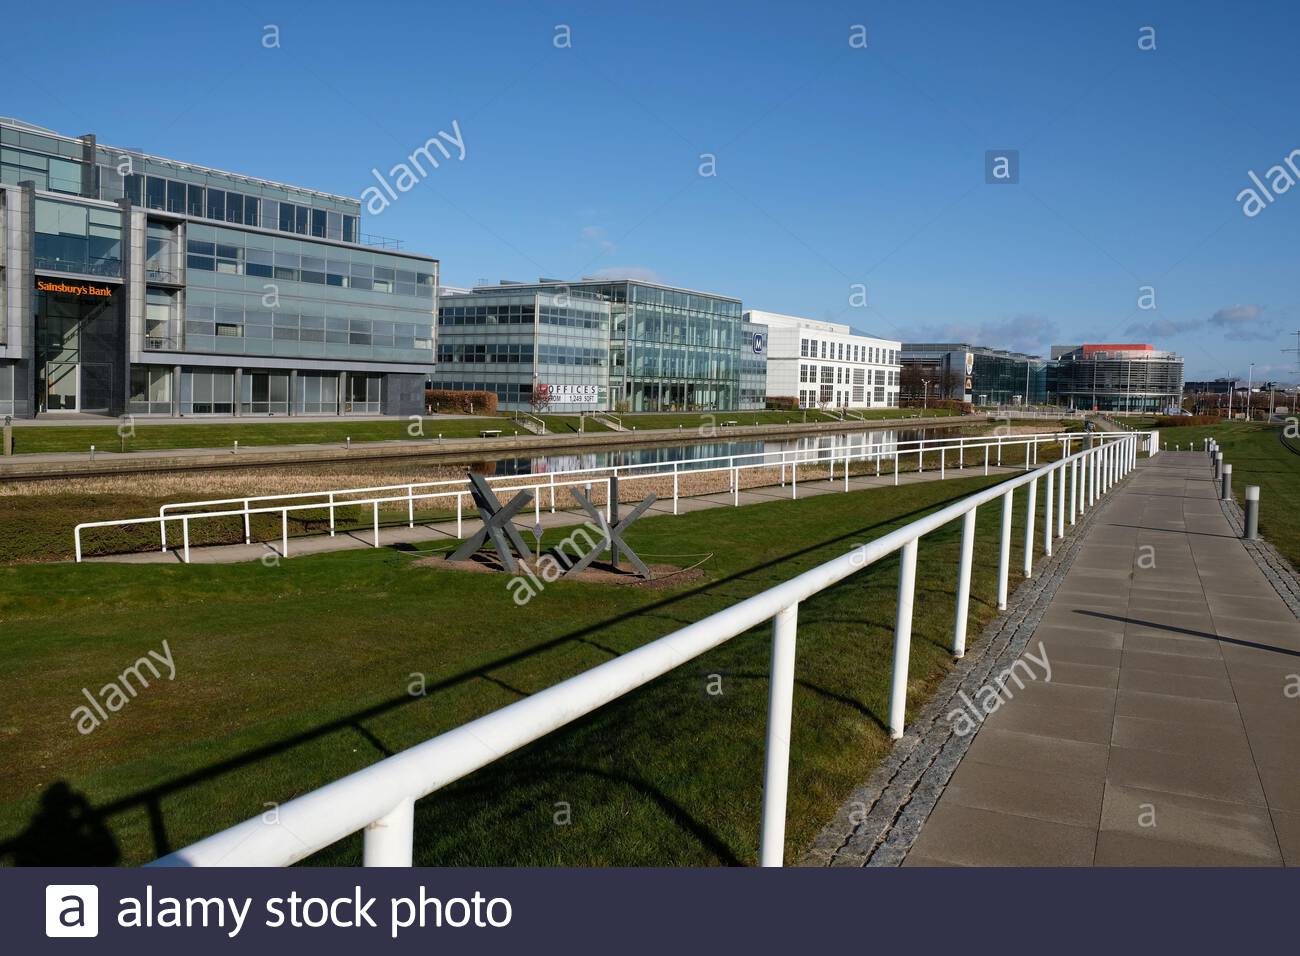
(574, 394)
(83, 290)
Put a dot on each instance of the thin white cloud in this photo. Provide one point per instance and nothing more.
(1242, 322)
(1162, 328)
(1027, 332)
(597, 236)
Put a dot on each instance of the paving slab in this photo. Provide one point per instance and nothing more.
(1166, 735)
(1201, 764)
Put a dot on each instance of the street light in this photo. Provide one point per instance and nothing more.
(925, 394)
(1250, 380)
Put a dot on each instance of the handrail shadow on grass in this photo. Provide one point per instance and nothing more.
(69, 830)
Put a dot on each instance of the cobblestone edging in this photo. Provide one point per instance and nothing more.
(1279, 571)
(880, 820)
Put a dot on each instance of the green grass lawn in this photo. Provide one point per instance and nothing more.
(147, 436)
(568, 424)
(291, 675)
(39, 526)
(1257, 458)
(34, 439)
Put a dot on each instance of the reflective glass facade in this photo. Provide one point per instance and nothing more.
(669, 349)
(1119, 379)
(71, 237)
(136, 284)
(253, 294)
(971, 373)
(511, 342)
(84, 168)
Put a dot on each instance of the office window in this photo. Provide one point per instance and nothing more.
(151, 390)
(175, 196)
(155, 193)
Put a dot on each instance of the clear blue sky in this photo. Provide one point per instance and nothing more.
(834, 165)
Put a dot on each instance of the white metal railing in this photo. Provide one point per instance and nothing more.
(787, 461)
(380, 799)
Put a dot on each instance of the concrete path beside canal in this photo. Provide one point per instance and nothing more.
(1169, 732)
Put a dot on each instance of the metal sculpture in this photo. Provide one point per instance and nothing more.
(612, 531)
(497, 525)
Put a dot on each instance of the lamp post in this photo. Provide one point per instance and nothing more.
(1250, 381)
(925, 395)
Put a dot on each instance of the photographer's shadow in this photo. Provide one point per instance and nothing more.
(65, 831)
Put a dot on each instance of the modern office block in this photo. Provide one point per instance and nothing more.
(669, 349)
(136, 284)
(828, 364)
(534, 348)
(971, 373)
(1118, 378)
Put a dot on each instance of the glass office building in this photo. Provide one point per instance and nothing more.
(972, 373)
(669, 349)
(753, 364)
(518, 343)
(136, 284)
(1118, 378)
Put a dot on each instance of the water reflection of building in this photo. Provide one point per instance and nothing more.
(875, 442)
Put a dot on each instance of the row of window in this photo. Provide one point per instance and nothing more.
(514, 393)
(520, 352)
(839, 375)
(829, 395)
(227, 205)
(296, 327)
(317, 270)
(47, 172)
(698, 331)
(520, 314)
(674, 300)
(847, 352)
(212, 392)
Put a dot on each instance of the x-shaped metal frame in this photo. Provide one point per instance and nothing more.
(613, 535)
(497, 525)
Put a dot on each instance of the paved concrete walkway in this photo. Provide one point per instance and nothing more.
(1166, 734)
(446, 530)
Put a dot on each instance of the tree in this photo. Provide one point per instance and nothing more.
(540, 398)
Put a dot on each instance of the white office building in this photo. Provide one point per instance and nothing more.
(827, 364)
